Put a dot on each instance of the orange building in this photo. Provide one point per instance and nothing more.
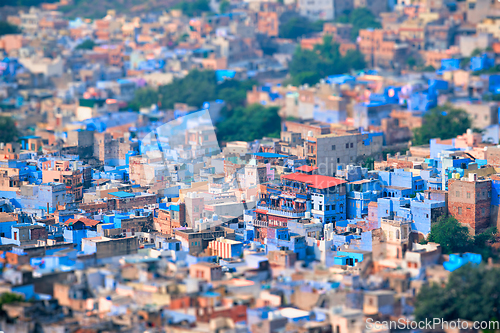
(63, 172)
(268, 23)
(379, 49)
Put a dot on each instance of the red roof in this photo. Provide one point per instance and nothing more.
(307, 168)
(84, 220)
(314, 181)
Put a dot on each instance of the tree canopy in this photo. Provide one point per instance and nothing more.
(294, 27)
(8, 129)
(309, 66)
(470, 294)
(193, 8)
(26, 3)
(194, 89)
(455, 238)
(6, 28)
(239, 122)
(249, 123)
(443, 122)
(87, 44)
(224, 6)
(360, 18)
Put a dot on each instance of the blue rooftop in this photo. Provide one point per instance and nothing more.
(122, 194)
(269, 155)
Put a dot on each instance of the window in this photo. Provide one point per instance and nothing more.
(327, 207)
(483, 211)
(320, 207)
(457, 194)
(468, 195)
(347, 146)
(338, 159)
(352, 144)
(459, 210)
(333, 147)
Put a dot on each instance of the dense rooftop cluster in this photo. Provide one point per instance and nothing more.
(248, 166)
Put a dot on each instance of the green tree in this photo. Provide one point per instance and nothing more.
(87, 44)
(360, 18)
(411, 62)
(297, 26)
(6, 28)
(464, 62)
(444, 122)
(428, 68)
(233, 92)
(249, 123)
(8, 298)
(193, 8)
(8, 129)
(143, 98)
(325, 59)
(471, 293)
(309, 78)
(476, 52)
(224, 6)
(355, 60)
(455, 238)
(451, 235)
(182, 90)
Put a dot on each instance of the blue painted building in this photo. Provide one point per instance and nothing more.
(359, 194)
(422, 100)
(6, 223)
(458, 260)
(481, 62)
(400, 183)
(494, 84)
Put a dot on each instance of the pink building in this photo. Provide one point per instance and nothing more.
(64, 172)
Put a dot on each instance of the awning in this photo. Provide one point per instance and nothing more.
(300, 200)
(274, 197)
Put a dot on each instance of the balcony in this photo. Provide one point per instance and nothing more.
(283, 211)
(260, 223)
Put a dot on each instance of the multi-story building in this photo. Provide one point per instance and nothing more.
(322, 197)
(328, 151)
(66, 172)
(174, 216)
(481, 114)
(380, 48)
(194, 206)
(268, 23)
(338, 31)
(469, 202)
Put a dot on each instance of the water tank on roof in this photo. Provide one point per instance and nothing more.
(310, 134)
